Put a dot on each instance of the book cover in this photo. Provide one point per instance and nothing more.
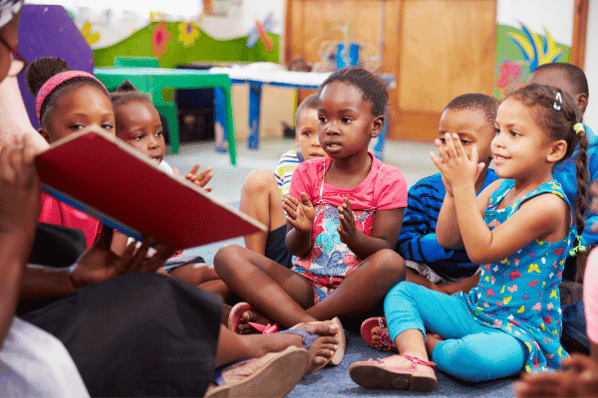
(104, 177)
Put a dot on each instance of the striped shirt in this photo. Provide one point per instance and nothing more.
(285, 168)
(418, 241)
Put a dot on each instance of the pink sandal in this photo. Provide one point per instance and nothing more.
(386, 343)
(376, 374)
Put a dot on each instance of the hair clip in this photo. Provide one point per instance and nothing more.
(559, 98)
(579, 248)
(578, 128)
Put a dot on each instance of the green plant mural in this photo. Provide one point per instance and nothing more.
(519, 52)
(173, 45)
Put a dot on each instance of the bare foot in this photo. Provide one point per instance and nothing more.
(251, 316)
(377, 333)
(399, 362)
(321, 350)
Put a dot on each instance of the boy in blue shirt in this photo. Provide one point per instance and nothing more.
(472, 117)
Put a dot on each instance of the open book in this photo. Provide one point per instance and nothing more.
(107, 179)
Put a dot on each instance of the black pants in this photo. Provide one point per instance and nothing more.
(138, 335)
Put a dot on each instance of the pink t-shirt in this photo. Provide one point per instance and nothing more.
(590, 295)
(53, 211)
(384, 188)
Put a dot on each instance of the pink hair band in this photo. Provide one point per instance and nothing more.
(56, 81)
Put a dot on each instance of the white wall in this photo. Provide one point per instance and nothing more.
(591, 66)
(554, 15)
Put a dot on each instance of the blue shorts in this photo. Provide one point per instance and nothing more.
(276, 249)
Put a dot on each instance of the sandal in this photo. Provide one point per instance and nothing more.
(309, 339)
(234, 319)
(376, 374)
(276, 378)
(386, 343)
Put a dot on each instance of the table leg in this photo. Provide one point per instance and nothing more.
(230, 132)
(255, 99)
(220, 121)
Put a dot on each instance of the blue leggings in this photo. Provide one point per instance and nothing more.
(471, 351)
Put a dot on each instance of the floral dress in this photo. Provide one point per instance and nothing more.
(331, 260)
(520, 294)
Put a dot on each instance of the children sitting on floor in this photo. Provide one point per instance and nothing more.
(261, 195)
(344, 216)
(472, 117)
(581, 376)
(522, 228)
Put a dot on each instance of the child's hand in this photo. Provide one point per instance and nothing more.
(580, 379)
(300, 214)
(19, 191)
(453, 163)
(347, 228)
(202, 179)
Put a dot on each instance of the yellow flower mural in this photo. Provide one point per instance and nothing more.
(90, 36)
(188, 33)
(536, 49)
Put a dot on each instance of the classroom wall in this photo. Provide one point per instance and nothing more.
(591, 66)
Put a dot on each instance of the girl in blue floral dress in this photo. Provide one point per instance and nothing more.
(522, 231)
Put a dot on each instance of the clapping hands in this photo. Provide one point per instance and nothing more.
(300, 214)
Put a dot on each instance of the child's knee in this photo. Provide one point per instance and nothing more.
(475, 361)
(225, 257)
(260, 181)
(388, 264)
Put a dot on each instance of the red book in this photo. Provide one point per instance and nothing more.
(104, 177)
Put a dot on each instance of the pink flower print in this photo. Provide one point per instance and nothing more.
(351, 261)
(497, 323)
(537, 306)
(160, 39)
(494, 223)
(512, 289)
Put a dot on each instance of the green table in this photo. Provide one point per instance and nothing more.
(153, 80)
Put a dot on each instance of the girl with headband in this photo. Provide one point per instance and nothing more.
(84, 105)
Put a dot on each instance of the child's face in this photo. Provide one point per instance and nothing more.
(473, 129)
(346, 123)
(558, 79)
(306, 136)
(138, 124)
(520, 147)
(85, 108)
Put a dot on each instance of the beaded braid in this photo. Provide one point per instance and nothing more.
(582, 177)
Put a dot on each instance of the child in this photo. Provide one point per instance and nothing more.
(138, 124)
(341, 209)
(472, 117)
(523, 231)
(84, 105)
(261, 195)
(581, 376)
(572, 80)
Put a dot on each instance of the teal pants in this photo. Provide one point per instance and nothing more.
(470, 351)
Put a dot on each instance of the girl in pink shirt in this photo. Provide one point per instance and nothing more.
(344, 215)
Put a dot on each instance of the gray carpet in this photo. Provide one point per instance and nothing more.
(334, 381)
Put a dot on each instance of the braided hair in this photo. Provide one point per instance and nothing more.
(555, 111)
